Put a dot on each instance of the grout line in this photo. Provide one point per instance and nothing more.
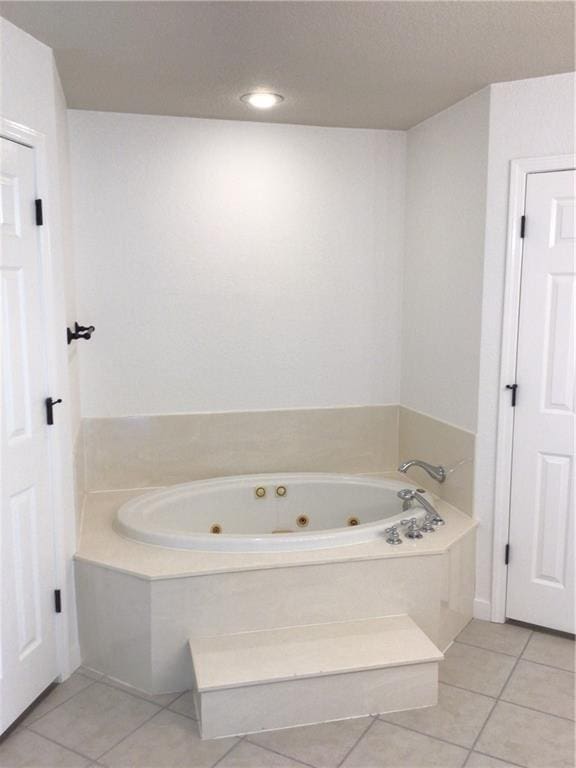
(58, 744)
(539, 711)
(137, 694)
(485, 754)
(468, 690)
(275, 751)
(184, 714)
(548, 666)
(489, 650)
(358, 740)
(507, 701)
(159, 708)
(513, 655)
(126, 735)
(423, 733)
(47, 712)
(240, 741)
(481, 731)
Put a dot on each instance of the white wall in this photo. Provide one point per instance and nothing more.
(32, 96)
(236, 266)
(447, 159)
(528, 118)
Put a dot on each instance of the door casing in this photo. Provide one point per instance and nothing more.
(60, 449)
(519, 171)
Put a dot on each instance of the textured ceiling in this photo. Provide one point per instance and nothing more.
(360, 64)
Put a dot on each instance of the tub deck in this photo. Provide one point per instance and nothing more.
(101, 545)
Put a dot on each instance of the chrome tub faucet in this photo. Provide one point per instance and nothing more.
(432, 516)
(436, 472)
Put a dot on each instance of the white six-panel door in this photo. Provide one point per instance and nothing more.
(28, 661)
(541, 571)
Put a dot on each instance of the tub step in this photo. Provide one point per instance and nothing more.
(258, 681)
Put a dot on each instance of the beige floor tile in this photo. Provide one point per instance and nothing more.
(551, 649)
(184, 705)
(168, 740)
(458, 717)
(476, 760)
(475, 669)
(24, 749)
(247, 755)
(95, 719)
(502, 638)
(387, 746)
(549, 690)
(528, 738)
(323, 745)
(162, 699)
(61, 693)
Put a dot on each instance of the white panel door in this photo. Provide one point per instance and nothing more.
(541, 570)
(28, 662)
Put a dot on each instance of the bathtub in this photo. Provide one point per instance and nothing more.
(266, 513)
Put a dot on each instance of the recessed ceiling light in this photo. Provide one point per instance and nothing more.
(262, 100)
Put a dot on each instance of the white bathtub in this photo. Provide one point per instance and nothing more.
(315, 511)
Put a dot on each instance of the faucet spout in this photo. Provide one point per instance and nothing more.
(436, 472)
(407, 494)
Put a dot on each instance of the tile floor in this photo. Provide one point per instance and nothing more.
(506, 699)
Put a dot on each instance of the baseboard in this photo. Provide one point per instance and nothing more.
(75, 659)
(482, 609)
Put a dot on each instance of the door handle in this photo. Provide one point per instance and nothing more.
(50, 409)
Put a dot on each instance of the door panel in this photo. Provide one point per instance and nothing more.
(27, 641)
(541, 571)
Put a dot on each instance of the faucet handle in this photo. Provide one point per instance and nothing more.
(412, 530)
(428, 525)
(393, 535)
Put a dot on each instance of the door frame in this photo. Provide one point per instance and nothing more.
(519, 171)
(59, 445)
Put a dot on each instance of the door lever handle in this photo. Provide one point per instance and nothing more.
(50, 409)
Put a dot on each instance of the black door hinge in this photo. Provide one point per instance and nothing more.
(50, 409)
(39, 213)
(507, 554)
(522, 226)
(57, 601)
(513, 388)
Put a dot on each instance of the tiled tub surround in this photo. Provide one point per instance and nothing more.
(151, 451)
(155, 451)
(420, 436)
(139, 604)
(79, 480)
